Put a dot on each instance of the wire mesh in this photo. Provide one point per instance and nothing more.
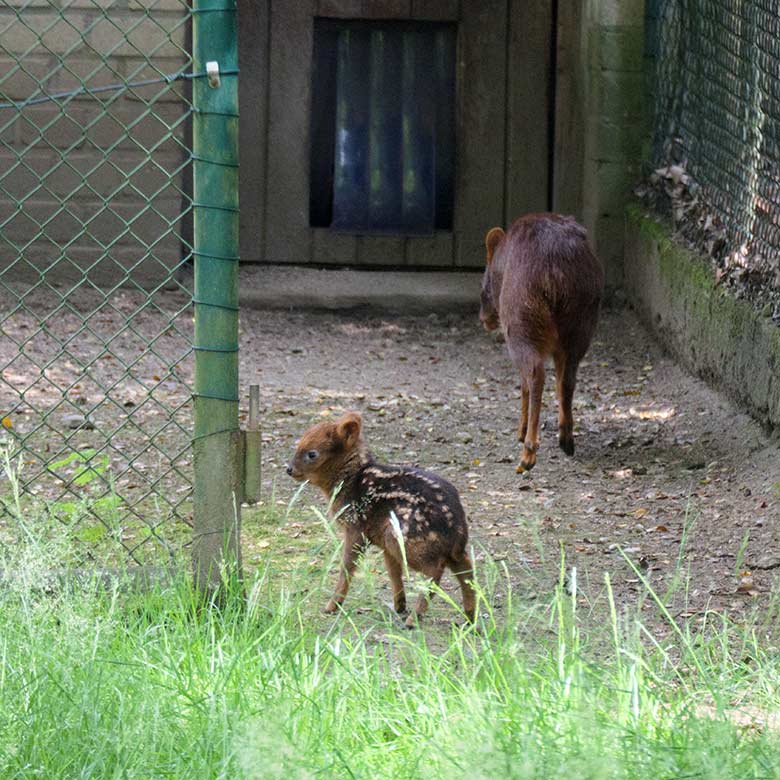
(95, 310)
(717, 120)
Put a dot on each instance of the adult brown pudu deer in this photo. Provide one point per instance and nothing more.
(543, 286)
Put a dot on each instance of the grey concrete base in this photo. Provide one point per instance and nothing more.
(400, 292)
(722, 339)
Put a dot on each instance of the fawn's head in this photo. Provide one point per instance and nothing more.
(325, 449)
(488, 309)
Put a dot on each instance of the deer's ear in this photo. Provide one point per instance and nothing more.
(492, 240)
(348, 428)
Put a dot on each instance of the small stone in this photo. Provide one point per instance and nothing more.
(464, 437)
(768, 561)
(78, 421)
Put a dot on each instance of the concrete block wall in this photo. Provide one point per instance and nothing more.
(84, 173)
(723, 339)
(615, 120)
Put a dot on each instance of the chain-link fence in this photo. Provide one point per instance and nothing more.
(717, 124)
(95, 243)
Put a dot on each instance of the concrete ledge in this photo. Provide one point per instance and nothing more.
(400, 292)
(722, 339)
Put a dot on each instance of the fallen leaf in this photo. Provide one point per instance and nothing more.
(746, 583)
(7, 423)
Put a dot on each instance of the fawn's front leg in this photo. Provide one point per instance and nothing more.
(354, 545)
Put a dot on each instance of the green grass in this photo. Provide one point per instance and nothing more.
(107, 683)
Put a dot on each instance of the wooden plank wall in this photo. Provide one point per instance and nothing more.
(253, 54)
(503, 63)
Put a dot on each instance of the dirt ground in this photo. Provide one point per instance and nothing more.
(665, 469)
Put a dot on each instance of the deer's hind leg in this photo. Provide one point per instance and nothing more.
(565, 382)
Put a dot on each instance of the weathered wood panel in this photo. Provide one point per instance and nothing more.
(387, 251)
(502, 128)
(288, 236)
(436, 10)
(253, 54)
(432, 251)
(330, 248)
(347, 9)
(528, 108)
(479, 194)
(569, 111)
(386, 9)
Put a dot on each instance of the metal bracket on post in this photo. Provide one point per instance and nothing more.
(212, 72)
(252, 448)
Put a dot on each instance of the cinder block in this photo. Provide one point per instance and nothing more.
(137, 68)
(11, 4)
(620, 95)
(20, 79)
(18, 38)
(18, 180)
(174, 6)
(610, 13)
(86, 70)
(48, 125)
(386, 9)
(127, 36)
(614, 183)
(616, 141)
(115, 6)
(340, 9)
(609, 244)
(434, 10)
(65, 36)
(616, 48)
(10, 132)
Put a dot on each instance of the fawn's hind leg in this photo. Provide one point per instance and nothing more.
(395, 571)
(464, 571)
(434, 571)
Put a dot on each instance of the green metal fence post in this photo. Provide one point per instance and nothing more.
(217, 450)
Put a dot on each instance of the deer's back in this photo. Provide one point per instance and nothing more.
(551, 283)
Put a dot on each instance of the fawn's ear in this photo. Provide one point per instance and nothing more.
(348, 428)
(492, 240)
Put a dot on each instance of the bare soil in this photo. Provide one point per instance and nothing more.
(667, 472)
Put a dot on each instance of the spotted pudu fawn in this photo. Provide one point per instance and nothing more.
(543, 286)
(363, 493)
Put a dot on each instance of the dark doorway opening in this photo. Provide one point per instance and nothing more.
(382, 126)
